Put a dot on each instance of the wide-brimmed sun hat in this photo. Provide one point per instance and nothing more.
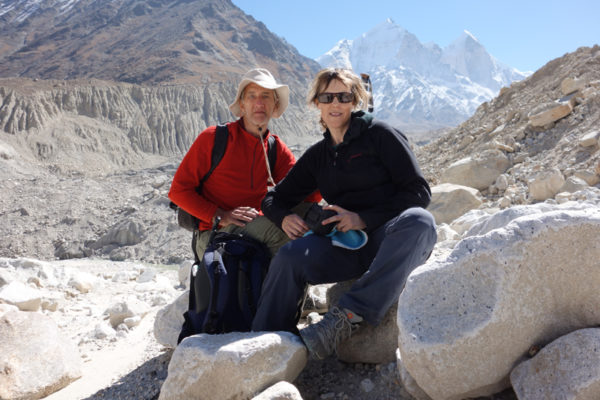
(262, 78)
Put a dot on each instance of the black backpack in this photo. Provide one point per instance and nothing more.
(225, 285)
(185, 219)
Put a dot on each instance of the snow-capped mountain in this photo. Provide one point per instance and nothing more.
(421, 87)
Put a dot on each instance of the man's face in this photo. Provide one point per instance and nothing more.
(257, 105)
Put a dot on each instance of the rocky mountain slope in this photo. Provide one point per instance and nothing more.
(505, 124)
(142, 42)
(79, 76)
(421, 87)
(65, 123)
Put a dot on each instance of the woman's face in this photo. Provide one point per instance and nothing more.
(336, 115)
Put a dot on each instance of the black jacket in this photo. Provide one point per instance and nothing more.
(373, 172)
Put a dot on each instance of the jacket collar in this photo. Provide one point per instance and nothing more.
(242, 127)
(359, 122)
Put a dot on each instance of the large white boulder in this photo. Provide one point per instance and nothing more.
(478, 171)
(280, 391)
(450, 201)
(545, 184)
(23, 296)
(548, 113)
(169, 321)
(464, 322)
(567, 368)
(36, 357)
(232, 365)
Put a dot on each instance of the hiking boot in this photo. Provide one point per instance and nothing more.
(322, 338)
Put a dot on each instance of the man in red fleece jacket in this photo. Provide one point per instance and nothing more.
(236, 187)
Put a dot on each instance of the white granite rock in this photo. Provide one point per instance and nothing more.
(465, 322)
(23, 296)
(169, 321)
(37, 359)
(478, 171)
(567, 368)
(280, 391)
(232, 365)
(450, 201)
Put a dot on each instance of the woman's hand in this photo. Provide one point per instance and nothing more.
(294, 226)
(346, 220)
(239, 216)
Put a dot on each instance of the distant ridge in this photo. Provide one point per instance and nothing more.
(142, 42)
(66, 67)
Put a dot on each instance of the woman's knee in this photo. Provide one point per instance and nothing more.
(286, 259)
(301, 256)
(416, 219)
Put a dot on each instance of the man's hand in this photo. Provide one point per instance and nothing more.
(346, 220)
(294, 226)
(239, 216)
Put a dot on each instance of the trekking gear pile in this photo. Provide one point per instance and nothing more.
(225, 285)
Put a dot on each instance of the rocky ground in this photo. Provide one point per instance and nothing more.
(46, 216)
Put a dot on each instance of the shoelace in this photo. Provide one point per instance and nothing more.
(338, 328)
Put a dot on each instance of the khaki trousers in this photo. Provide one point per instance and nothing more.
(260, 228)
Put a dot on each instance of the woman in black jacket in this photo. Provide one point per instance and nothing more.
(368, 175)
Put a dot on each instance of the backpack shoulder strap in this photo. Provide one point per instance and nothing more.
(272, 152)
(218, 150)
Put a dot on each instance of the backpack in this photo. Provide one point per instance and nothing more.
(225, 285)
(185, 219)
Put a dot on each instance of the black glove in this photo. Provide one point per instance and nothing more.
(315, 215)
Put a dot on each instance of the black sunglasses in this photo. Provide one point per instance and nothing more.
(343, 97)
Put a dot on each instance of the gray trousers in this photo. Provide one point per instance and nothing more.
(393, 251)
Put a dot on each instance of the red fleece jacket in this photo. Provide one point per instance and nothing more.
(240, 179)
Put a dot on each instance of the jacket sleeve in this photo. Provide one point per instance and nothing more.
(412, 190)
(298, 185)
(193, 167)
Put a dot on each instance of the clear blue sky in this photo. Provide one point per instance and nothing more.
(522, 34)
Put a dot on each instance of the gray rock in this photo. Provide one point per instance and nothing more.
(573, 184)
(169, 321)
(131, 307)
(546, 184)
(37, 359)
(466, 321)
(232, 365)
(567, 368)
(125, 233)
(369, 344)
(24, 297)
(408, 382)
(478, 171)
(450, 201)
(280, 391)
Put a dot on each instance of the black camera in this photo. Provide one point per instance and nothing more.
(315, 215)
